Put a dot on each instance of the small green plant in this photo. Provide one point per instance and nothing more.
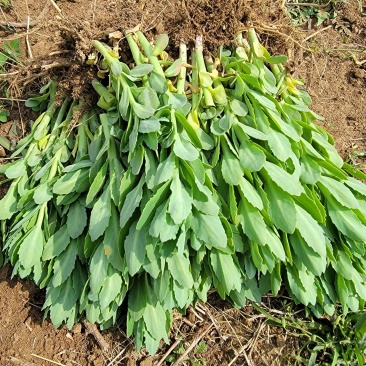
(5, 4)
(338, 342)
(303, 11)
(329, 341)
(9, 55)
(355, 155)
(4, 114)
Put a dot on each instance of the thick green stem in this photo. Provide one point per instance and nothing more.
(146, 46)
(103, 91)
(83, 139)
(202, 68)
(195, 87)
(54, 165)
(41, 213)
(136, 54)
(105, 53)
(253, 39)
(112, 152)
(181, 83)
(58, 121)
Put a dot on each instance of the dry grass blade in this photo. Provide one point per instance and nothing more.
(48, 360)
(313, 5)
(117, 357)
(168, 352)
(317, 32)
(92, 329)
(193, 344)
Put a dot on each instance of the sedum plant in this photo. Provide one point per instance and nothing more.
(184, 177)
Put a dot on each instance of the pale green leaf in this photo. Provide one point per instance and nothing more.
(346, 220)
(112, 286)
(100, 215)
(98, 269)
(225, 270)
(180, 268)
(239, 108)
(76, 219)
(149, 125)
(180, 202)
(252, 158)
(282, 208)
(209, 229)
(280, 145)
(141, 70)
(149, 98)
(135, 249)
(250, 193)
(340, 192)
(97, 184)
(311, 231)
(56, 244)
(184, 149)
(231, 169)
(143, 111)
(154, 202)
(288, 182)
(165, 170)
(30, 250)
(131, 202)
(161, 44)
(64, 264)
(8, 204)
(15, 169)
(42, 194)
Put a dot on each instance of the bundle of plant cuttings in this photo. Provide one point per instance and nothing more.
(189, 174)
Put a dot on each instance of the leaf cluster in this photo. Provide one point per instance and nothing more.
(186, 177)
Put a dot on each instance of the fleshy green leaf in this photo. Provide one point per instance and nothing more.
(179, 267)
(100, 215)
(209, 229)
(288, 182)
(135, 249)
(30, 250)
(180, 202)
(76, 219)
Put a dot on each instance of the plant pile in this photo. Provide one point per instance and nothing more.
(185, 176)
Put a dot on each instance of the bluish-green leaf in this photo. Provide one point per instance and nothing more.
(30, 250)
(141, 70)
(225, 270)
(135, 251)
(76, 219)
(209, 229)
(56, 244)
(180, 268)
(184, 149)
(149, 125)
(100, 215)
(180, 202)
(281, 208)
(64, 264)
(131, 202)
(288, 182)
(311, 231)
